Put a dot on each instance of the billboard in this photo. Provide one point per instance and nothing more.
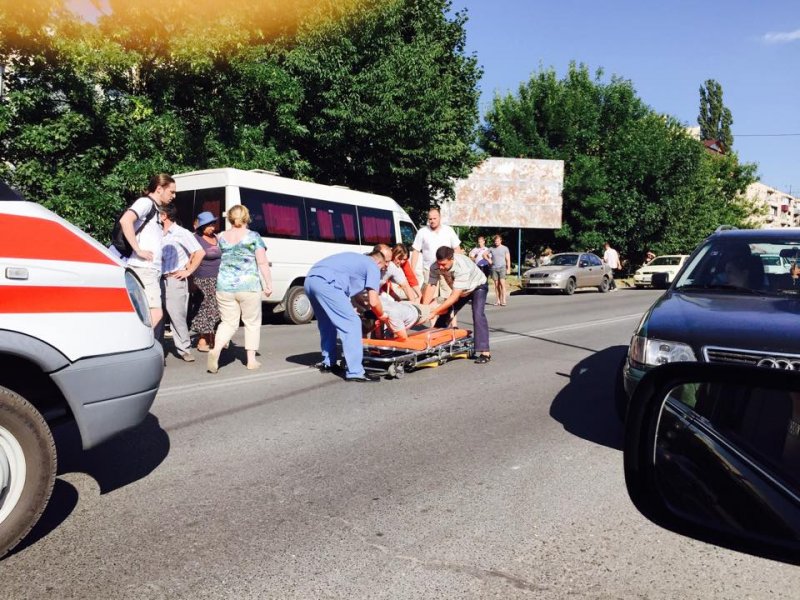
(509, 192)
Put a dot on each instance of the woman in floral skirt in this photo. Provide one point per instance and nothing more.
(205, 279)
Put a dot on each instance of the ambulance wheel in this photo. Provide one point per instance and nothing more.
(27, 468)
(298, 307)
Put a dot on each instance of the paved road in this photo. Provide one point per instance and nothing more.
(462, 481)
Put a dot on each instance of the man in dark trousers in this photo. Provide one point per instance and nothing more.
(330, 285)
(468, 284)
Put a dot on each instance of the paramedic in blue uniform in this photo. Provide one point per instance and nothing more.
(468, 284)
(329, 286)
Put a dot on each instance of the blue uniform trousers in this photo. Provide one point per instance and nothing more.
(335, 313)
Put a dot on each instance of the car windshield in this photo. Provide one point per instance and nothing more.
(668, 261)
(564, 260)
(737, 265)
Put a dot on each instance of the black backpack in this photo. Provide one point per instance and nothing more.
(118, 239)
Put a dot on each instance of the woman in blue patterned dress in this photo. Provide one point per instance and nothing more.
(239, 288)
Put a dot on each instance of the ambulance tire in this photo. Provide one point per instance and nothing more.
(27, 467)
(298, 307)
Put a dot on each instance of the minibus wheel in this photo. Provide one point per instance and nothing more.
(298, 307)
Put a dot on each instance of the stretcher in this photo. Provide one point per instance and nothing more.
(426, 347)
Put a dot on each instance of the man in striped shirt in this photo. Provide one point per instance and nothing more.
(181, 254)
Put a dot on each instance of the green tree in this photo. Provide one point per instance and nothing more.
(632, 177)
(374, 94)
(715, 118)
(390, 99)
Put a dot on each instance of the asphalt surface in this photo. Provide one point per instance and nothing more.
(461, 481)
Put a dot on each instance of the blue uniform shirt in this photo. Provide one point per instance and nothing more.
(351, 272)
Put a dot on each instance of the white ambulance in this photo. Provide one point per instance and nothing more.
(75, 344)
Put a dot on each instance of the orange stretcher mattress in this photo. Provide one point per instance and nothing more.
(421, 340)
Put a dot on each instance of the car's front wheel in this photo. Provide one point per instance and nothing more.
(27, 467)
(604, 286)
(569, 288)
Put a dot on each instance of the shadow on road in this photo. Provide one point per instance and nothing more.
(126, 458)
(585, 407)
(308, 359)
(116, 463)
(63, 501)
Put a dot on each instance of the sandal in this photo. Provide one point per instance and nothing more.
(483, 359)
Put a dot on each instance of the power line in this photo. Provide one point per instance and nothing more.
(765, 134)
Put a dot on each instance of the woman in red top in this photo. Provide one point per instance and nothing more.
(400, 258)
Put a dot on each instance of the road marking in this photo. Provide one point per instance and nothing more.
(539, 332)
(210, 385)
(207, 384)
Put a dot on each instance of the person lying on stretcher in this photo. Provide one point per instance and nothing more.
(397, 318)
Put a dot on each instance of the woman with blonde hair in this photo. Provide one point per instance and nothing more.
(239, 287)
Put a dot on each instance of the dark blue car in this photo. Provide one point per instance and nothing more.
(725, 307)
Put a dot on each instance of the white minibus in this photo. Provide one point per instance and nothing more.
(301, 223)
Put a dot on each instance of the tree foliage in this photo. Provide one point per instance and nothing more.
(632, 177)
(378, 95)
(715, 118)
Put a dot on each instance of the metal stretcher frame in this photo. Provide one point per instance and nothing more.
(428, 346)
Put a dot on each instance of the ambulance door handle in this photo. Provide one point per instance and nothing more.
(16, 273)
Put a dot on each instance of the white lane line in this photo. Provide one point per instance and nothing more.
(540, 332)
(209, 384)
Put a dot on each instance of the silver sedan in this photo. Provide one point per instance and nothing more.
(567, 272)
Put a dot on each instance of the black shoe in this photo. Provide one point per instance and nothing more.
(323, 368)
(365, 378)
(483, 359)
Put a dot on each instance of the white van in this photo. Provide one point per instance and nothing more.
(301, 222)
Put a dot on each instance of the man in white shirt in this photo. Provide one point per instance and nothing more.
(611, 258)
(145, 240)
(428, 240)
(181, 254)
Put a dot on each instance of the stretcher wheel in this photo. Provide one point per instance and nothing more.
(400, 371)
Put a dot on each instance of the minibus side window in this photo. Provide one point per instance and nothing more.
(331, 222)
(377, 226)
(184, 202)
(211, 200)
(191, 203)
(275, 215)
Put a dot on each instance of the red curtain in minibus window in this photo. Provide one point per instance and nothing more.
(349, 226)
(325, 225)
(376, 230)
(282, 220)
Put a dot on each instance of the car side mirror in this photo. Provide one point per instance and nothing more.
(713, 452)
(583, 264)
(660, 281)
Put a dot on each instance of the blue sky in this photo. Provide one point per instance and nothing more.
(667, 50)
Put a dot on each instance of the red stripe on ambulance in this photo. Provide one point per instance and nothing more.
(50, 299)
(42, 239)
